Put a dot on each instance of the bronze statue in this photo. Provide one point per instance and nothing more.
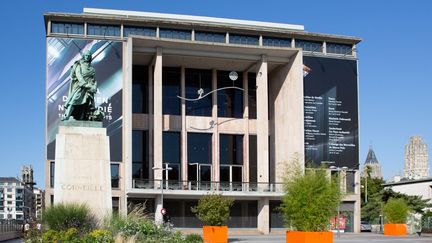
(80, 103)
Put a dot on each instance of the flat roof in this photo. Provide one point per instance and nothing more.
(203, 19)
(429, 179)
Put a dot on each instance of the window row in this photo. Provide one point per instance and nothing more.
(199, 156)
(205, 36)
(229, 94)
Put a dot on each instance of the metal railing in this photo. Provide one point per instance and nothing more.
(208, 186)
(7, 226)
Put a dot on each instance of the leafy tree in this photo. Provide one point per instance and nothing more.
(310, 200)
(213, 209)
(396, 211)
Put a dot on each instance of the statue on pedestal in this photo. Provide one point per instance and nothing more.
(80, 103)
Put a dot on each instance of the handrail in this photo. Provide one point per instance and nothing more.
(152, 184)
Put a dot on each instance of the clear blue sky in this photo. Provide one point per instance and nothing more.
(394, 65)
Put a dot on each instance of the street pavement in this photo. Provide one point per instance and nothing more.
(344, 238)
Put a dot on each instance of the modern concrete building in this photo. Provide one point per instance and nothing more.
(374, 165)
(16, 200)
(416, 159)
(200, 104)
(39, 202)
(420, 187)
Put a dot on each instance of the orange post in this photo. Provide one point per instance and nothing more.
(309, 237)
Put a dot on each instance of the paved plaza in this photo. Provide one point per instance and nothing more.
(344, 238)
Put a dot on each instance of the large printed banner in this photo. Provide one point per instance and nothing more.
(331, 112)
(62, 53)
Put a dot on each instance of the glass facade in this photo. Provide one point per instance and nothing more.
(243, 39)
(103, 29)
(199, 156)
(170, 90)
(197, 79)
(252, 102)
(171, 155)
(350, 182)
(140, 89)
(279, 42)
(313, 46)
(276, 219)
(136, 30)
(230, 101)
(175, 34)
(336, 48)
(210, 36)
(67, 28)
(140, 162)
(115, 175)
(231, 158)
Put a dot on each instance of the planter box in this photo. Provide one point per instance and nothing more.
(309, 237)
(395, 229)
(215, 234)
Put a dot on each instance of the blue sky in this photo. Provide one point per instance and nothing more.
(394, 65)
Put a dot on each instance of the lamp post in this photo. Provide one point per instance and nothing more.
(338, 169)
(162, 198)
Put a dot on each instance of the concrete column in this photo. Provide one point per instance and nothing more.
(127, 123)
(150, 121)
(215, 149)
(184, 166)
(246, 128)
(157, 116)
(158, 206)
(262, 126)
(357, 205)
(264, 216)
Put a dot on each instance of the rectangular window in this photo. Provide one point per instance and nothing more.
(230, 99)
(9, 196)
(9, 190)
(313, 46)
(140, 89)
(253, 158)
(52, 171)
(67, 28)
(199, 156)
(140, 148)
(52, 200)
(335, 48)
(115, 175)
(231, 149)
(350, 181)
(103, 30)
(175, 34)
(279, 42)
(135, 30)
(209, 36)
(115, 205)
(170, 90)
(243, 39)
(252, 102)
(197, 79)
(171, 155)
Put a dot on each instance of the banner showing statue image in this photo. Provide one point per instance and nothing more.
(331, 111)
(84, 81)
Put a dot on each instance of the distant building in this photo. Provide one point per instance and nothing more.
(39, 202)
(420, 187)
(16, 200)
(373, 163)
(416, 159)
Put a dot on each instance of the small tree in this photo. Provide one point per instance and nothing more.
(213, 209)
(396, 211)
(310, 200)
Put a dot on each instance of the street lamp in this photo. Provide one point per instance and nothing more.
(338, 169)
(163, 169)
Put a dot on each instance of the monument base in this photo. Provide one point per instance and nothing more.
(82, 167)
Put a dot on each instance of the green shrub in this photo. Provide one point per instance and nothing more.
(193, 238)
(396, 211)
(61, 217)
(50, 236)
(311, 199)
(213, 209)
(99, 236)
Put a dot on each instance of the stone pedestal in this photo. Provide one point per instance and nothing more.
(82, 166)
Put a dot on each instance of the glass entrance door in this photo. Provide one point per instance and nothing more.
(199, 175)
(231, 177)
